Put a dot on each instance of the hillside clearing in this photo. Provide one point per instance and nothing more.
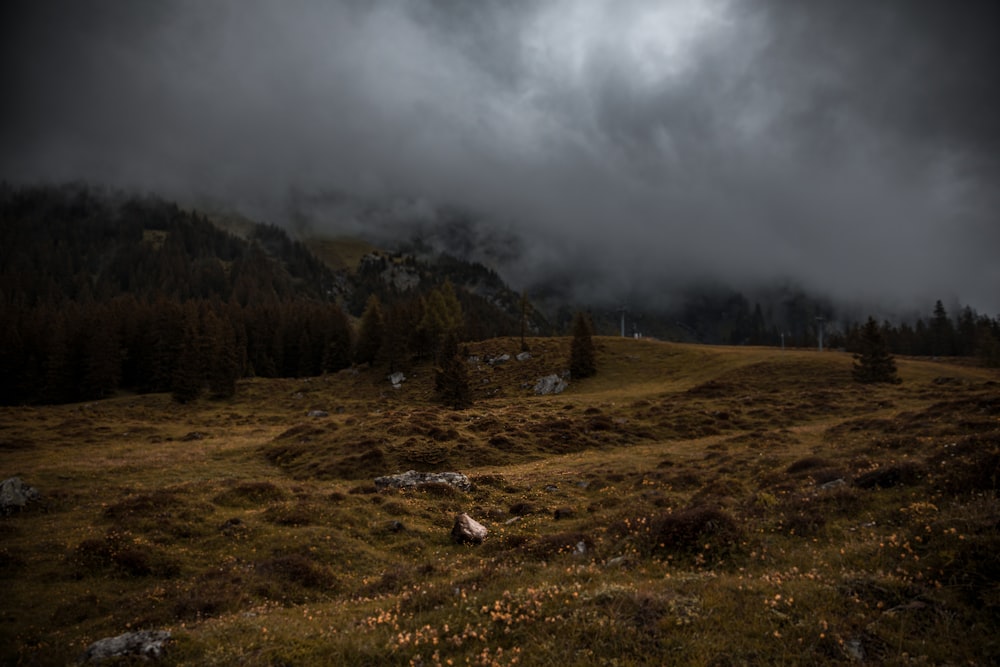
(693, 505)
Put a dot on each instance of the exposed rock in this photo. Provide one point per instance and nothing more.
(496, 361)
(855, 650)
(144, 644)
(15, 494)
(318, 413)
(524, 356)
(397, 379)
(619, 561)
(467, 530)
(840, 481)
(550, 384)
(412, 479)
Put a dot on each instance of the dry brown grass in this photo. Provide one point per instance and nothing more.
(688, 504)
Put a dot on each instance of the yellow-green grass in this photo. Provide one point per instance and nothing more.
(669, 510)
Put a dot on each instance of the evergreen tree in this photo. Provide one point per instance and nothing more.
(371, 333)
(189, 373)
(451, 378)
(223, 368)
(583, 356)
(442, 314)
(942, 332)
(874, 363)
(337, 345)
(524, 321)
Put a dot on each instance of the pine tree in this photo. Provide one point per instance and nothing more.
(524, 321)
(223, 362)
(583, 356)
(451, 379)
(442, 314)
(371, 333)
(189, 373)
(874, 363)
(942, 332)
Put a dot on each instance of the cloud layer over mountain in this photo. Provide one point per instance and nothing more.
(853, 147)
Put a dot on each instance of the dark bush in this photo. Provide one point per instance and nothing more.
(522, 509)
(689, 531)
(249, 494)
(547, 546)
(299, 570)
(808, 463)
(299, 514)
(213, 594)
(906, 473)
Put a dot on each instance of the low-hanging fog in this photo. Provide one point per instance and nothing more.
(630, 145)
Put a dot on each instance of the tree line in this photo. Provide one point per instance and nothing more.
(102, 291)
(970, 334)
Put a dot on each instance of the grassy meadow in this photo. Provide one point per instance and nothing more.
(687, 505)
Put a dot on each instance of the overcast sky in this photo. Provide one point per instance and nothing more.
(851, 146)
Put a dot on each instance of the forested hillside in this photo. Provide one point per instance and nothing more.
(101, 291)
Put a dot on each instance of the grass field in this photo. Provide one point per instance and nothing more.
(687, 505)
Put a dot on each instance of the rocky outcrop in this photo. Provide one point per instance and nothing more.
(467, 530)
(397, 379)
(413, 479)
(144, 644)
(15, 495)
(550, 384)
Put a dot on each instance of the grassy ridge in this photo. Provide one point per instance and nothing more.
(683, 506)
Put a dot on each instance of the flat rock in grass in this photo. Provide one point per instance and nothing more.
(467, 530)
(147, 644)
(15, 494)
(413, 479)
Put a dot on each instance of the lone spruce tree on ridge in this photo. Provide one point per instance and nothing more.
(583, 356)
(873, 363)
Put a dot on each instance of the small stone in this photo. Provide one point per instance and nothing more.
(854, 650)
(840, 481)
(467, 530)
(318, 413)
(144, 644)
(15, 494)
(524, 356)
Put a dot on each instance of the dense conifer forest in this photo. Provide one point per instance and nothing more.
(102, 291)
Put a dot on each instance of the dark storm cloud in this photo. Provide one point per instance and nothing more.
(635, 145)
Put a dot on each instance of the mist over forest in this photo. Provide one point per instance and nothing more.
(612, 153)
